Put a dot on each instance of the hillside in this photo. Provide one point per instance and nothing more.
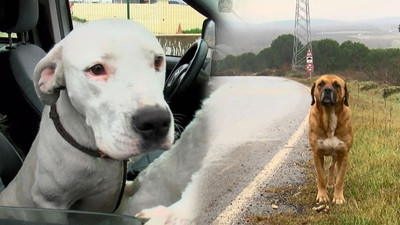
(379, 33)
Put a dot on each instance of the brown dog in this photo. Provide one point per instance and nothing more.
(330, 133)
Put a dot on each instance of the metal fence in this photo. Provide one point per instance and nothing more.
(160, 18)
(167, 21)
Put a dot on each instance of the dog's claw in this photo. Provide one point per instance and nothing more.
(338, 200)
(322, 198)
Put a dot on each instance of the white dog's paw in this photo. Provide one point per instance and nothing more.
(161, 215)
(148, 213)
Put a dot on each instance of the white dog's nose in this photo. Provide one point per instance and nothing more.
(152, 123)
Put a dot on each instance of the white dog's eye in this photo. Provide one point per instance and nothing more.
(158, 62)
(97, 69)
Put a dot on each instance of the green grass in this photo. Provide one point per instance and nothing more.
(192, 31)
(79, 19)
(372, 182)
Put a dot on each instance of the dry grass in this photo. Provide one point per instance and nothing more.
(372, 182)
(160, 18)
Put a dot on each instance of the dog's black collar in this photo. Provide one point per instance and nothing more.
(61, 130)
(90, 151)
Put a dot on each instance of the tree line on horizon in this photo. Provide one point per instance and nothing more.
(328, 56)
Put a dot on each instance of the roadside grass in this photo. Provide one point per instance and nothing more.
(372, 181)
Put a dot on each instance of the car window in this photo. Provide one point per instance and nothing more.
(1, 185)
(175, 24)
(4, 38)
(34, 216)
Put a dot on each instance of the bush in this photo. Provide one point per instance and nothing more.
(368, 85)
(192, 31)
(75, 18)
(390, 90)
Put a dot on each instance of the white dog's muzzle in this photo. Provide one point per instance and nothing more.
(153, 124)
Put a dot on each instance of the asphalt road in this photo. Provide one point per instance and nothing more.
(257, 140)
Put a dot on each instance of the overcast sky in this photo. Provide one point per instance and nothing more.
(344, 10)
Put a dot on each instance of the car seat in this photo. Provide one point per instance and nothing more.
(10, 161)
(21, 16)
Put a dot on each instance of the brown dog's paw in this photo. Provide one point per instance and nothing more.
(321, 198)
(338, 200)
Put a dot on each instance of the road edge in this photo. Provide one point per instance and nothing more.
(231, 214)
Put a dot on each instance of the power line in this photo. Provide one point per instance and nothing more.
(302, 34)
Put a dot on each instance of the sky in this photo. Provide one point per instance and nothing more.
(260, 11)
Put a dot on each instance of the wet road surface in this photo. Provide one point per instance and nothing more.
(257, 140)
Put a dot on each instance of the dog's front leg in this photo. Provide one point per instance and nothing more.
(338, 196)
(47, 195)
(182, 212)
(45, 201)
(322, 195)
(331, 177)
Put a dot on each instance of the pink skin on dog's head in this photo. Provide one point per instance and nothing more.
(46, 76)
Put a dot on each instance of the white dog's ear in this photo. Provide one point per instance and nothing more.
(48, 77)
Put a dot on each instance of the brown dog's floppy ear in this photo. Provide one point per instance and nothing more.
(346, 96)
(312, 94)
(48, 77)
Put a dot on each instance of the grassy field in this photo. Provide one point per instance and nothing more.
(160, 18)
(372, 182)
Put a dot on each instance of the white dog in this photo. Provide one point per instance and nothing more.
(103, 86)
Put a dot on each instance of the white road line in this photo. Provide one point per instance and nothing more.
(233, 211)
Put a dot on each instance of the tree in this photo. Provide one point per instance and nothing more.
(247, 61)
(326, 55)
(354, 55)
(227, 63)
(264, 59)
(282, 50)
(384, 64)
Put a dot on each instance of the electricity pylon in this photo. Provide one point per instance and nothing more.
(302, 34)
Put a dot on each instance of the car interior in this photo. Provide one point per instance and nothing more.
(30, 29)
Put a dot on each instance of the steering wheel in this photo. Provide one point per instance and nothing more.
(186, 71)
